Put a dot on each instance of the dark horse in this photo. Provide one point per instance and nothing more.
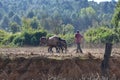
(54, 41)
(62, 45)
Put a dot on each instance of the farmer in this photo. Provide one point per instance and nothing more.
(78, 38)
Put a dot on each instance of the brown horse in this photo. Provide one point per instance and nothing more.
(54, 41)
(62, 45)
(50, 42)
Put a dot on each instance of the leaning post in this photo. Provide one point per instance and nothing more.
(105, 62)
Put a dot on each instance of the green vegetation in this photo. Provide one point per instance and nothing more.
(116, 16)
(107, 34)
(24, 22)
(101, 35)
(52, 15)
(69, 38)
(30, 38)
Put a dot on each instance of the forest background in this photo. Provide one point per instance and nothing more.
(23, 22)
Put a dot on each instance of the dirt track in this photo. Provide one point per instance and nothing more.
(34, 63)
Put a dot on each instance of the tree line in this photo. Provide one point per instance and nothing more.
(54, 15)
(25, 18)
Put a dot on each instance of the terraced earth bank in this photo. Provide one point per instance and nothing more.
(32, 66)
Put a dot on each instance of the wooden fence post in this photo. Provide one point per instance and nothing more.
(105, 63)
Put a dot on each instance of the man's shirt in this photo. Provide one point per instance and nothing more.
(78, 37)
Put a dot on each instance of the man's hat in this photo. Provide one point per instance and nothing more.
(77, 31)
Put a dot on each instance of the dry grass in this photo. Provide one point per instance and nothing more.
(42, 51)
(35, 63)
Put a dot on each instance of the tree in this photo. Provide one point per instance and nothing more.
(3, 34)
(87, 16)
(17, 19)
(116, 16)
(114, 37)
(10, 14)
(107, 7)
(101, 35)
(5, 23)
(30, 14)
(67, 29)
(1, 16)
(116, 20)
(14, 27)
(83, 3)
(35, 23)
(55, 23)
(1, 4)
(107, 36)
(26, 24)
(30, 24)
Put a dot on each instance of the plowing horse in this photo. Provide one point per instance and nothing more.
(54, 41)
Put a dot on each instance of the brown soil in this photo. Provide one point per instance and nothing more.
(14, 66)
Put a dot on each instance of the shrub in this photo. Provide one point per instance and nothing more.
(19, 40)
(34, 41)
(36, 37)
(49, 35)
(101, 34)
(29, 38)
(8, 40)
(3, 34)
(69, 38)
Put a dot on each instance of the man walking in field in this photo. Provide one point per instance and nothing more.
(78, 38)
